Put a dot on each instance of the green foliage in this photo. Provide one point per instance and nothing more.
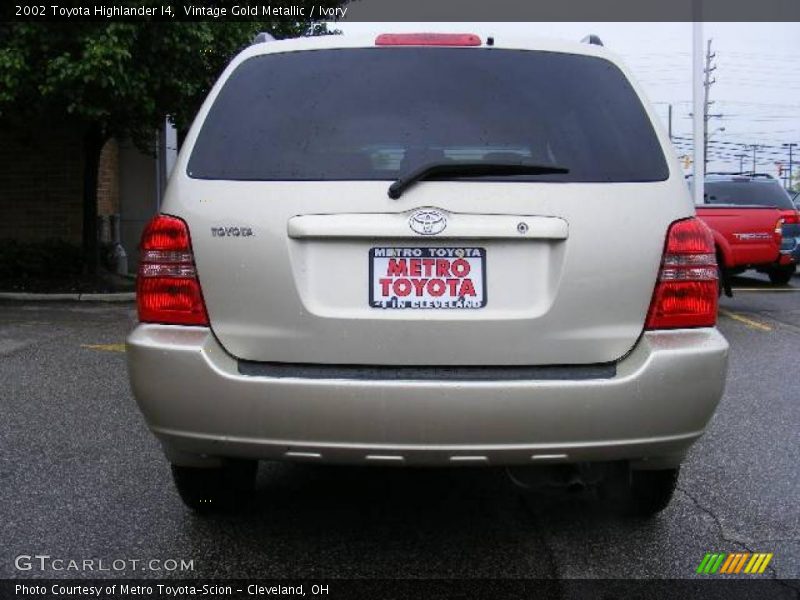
(120, 78)
(117, 79)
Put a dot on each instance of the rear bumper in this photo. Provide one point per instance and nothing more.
(790, 244)
(793, 252)
(202, 408)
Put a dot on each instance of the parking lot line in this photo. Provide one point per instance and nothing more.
(105, 347)
(765, 289)
(748, 322)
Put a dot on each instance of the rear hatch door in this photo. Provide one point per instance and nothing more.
(303, 256)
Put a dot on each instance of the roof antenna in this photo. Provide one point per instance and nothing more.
(592, 39)
(263, 37)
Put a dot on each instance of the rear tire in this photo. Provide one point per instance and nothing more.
(637, 493)
(215, 489)
(781, 275)
(651, 491)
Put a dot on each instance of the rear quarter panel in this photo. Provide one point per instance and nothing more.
(743, 235)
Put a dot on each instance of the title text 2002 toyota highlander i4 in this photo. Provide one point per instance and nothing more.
(426, 250)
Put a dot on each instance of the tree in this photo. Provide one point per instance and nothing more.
(118, 79)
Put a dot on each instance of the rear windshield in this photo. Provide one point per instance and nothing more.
(374, 113)
(746, 191)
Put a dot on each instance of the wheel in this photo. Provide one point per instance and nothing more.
(637, 493)
(217, 488)
(723, 283)
(781, 275)
(651, 491)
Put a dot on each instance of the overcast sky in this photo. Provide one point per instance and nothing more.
(757, 87)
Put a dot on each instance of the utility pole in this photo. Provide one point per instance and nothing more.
(708, 81)
(790, 145)
(741, 158)
(669, 121)
(698, 150)
(754, 147)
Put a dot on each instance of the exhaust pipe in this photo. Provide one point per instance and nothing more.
(575, 484)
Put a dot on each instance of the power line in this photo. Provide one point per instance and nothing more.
(776, 148)
(732, 155)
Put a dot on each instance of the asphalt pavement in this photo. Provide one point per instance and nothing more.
(82, 478)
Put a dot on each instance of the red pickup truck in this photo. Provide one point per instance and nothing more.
(746, 237)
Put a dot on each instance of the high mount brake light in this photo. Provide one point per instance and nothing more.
(686, 293)
(427, 39)
(167, 288)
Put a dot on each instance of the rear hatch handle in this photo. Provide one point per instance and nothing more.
(397, 226)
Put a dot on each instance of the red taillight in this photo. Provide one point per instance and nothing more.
(790, 217)
(427, 39)
(167, 289)
(687, 288)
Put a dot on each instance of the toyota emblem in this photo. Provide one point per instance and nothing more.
(428, 222)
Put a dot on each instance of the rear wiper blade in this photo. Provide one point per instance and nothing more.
(469, 169)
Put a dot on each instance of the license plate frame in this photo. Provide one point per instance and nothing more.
(426, 279)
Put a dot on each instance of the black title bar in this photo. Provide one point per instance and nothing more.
(708, 588)
(406, 10)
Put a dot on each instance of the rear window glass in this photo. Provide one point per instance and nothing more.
(374, 113)
(746, 191)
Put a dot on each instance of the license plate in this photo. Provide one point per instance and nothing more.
(427, 278)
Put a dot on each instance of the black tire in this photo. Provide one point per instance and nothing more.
(651, 491)
(781, 275)
(215, 489)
